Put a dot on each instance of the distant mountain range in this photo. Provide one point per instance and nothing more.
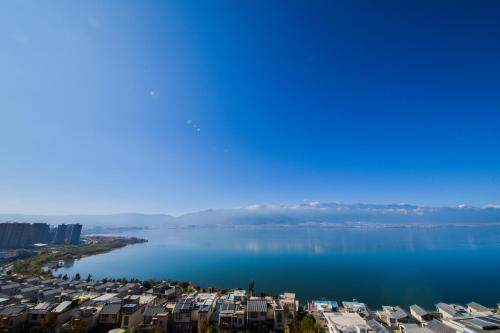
(309, 213)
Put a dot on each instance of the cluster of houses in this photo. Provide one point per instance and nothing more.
(82, 306)
(59, 306)
(356, 317)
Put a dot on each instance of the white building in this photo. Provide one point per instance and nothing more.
(345, 322)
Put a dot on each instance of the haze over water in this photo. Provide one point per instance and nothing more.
(375, 265)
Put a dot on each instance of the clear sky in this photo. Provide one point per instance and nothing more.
(175, 106)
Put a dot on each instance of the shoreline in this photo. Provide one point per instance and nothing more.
(43, 262)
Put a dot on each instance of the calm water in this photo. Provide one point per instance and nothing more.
(377, 266)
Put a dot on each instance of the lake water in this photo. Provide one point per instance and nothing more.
(377, 266)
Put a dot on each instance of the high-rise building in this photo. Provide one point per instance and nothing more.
(68, 234)
(18, 235)
(74, 232)
(15, 235)
(60, 235)
(40, 233)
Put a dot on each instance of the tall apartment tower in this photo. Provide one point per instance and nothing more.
(74, 232)
(19, 235)
(60, 235)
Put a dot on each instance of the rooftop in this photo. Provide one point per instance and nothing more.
(185, 304)
(111, 308)
(257, 305)
(418, 310)
(438, 327)
(13, 310)
(477, 307)
(346, 322)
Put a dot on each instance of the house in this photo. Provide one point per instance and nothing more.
(13, 318)
(39, 314)
(131, 316)
(346, 322)
(49, 295)
(260, 315)
(323, 306)
(182, 315)
(151, 310)
(477, 308)
(30, 293)
(238, 295)
(356, 307)
(417, 329)
(204, 307)
(63, 312)
(106, 287)
(285, 310)
(161, 322)
(10, 289)
(50, 282)
(420, 314)
(472, 324)
(107, 298)
(378, 327)
(437, 326)
(165, 290)
(4, 300)
(128, 289)
(32, 281)
(231, 315)
(452, 311)
(110, 314)
(88, 315)
(392, 316)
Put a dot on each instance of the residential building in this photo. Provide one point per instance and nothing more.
(378, 327)
(13, 318)
(474, 324)
(49, 295)
(182, 315)
(10, 289)
(63, 313)
(438, 327)
(323, 306)
(131, 316)
(39, 314)
(260, 314)
(417, 329)
(452, 310)
(161, 322)
(151, 310)
(21, 235)
(285, 310)
(231, 315)
(392, 316)
(477, 308)
(356, 307)
(420, 314)
(204, 307)
(110, 314)
(346, 322)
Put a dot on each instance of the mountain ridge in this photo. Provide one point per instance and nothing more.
(304, 213)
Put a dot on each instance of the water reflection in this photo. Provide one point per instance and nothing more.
(386, 265)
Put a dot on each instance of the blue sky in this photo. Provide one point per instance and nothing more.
(175, 106)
